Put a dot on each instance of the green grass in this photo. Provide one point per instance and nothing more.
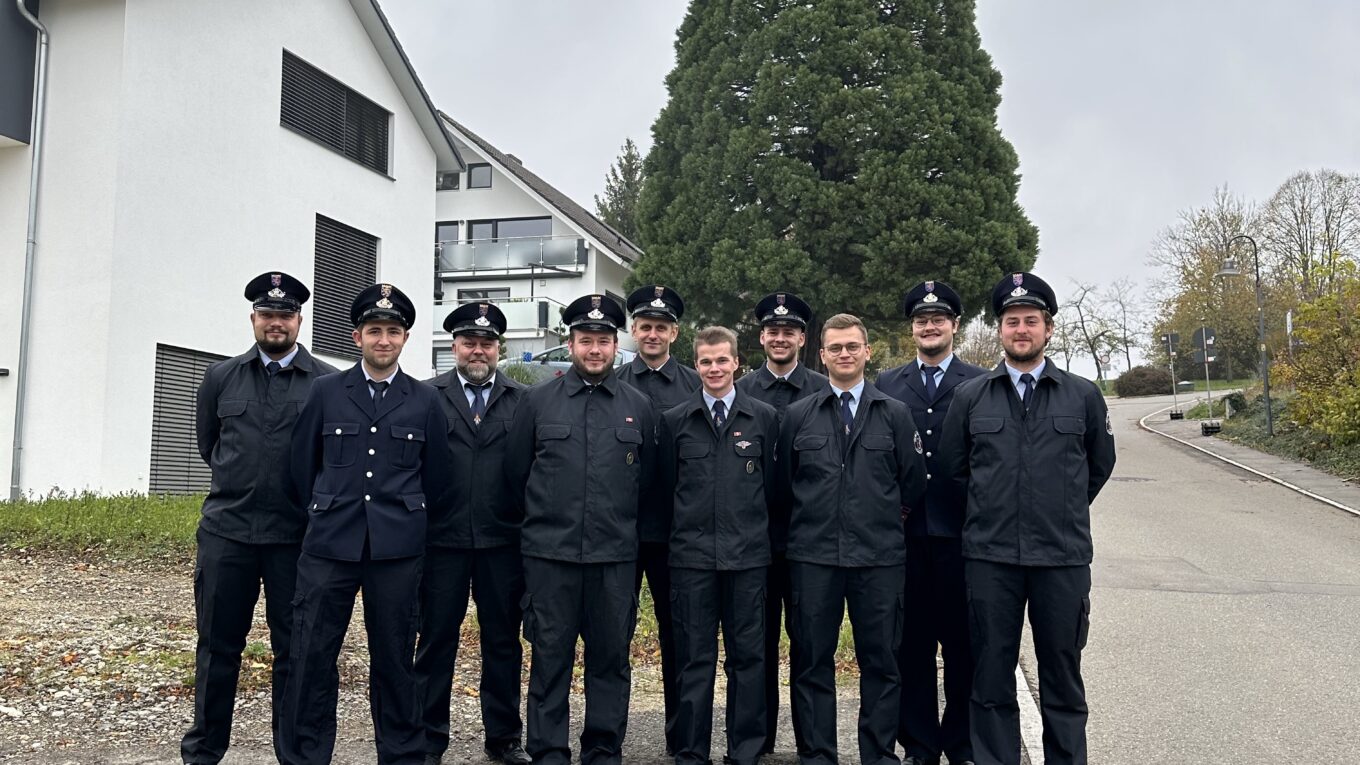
(1291, 440)
(1221, 385)
(130, 524)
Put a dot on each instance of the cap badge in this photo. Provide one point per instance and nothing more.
(276, 280)
(383, 301)
(481, 321)
(1018, 291)
(277, 293)
(930, 286)
(930, 297)
(1017, 279)
(780, 310)
(595, 313)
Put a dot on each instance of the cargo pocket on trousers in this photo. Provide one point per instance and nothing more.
(1084, 623)
(526, 607)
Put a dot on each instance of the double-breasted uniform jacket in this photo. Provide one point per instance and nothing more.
(718, 483)
(762, 385)
(669, 386)
(581, 459)
(943, 516)
(847, 499)
(370, 473)
(244, 433)
(1029, 477)
(481, 512)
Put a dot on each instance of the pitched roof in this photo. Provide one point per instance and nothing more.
(404, 75)
(603, 234)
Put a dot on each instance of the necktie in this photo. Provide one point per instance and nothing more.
(719, 414)
(930, 381)
(379, 390)
(1027, 380)
(478, 401)
(847, 416)
(273, 368)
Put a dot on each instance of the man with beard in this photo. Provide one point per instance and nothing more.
(1030, 447)
(580, 454)
(474, 543)
(656, 312)
(371, 459)
(850, 458)
(781, 380)
(935, 600)
(251, 531)
(718, 466)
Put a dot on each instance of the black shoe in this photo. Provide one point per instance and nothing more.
(914, 760)
(433, 759)
(510, 754)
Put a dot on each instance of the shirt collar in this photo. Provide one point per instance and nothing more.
(857, 392)
(727, 400)
(943, 365)
(463, 382)
(1015, 373)
(666, 370)
(793, 378)
(390, 378)
(283, 362)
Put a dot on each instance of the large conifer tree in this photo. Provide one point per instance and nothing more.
(842, 149)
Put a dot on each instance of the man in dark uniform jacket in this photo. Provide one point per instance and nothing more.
(581, 452)
(251, 531)
(474, 543)
(934, 595)
(656, 312)
(781, 380)
(717, 458)
(371, 459)
(852, 461)
(1030, 446)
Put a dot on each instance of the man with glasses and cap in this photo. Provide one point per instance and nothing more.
(474, 544)
(1029, 446)
(656, 312)
(581, 454)
(371, 461)
(251, 530)
(934, 597)
(783, 318)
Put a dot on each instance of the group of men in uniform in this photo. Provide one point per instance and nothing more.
(933, 505)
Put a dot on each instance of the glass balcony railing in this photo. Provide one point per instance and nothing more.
(511, 253)
(521, 314)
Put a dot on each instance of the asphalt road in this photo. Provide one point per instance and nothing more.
(1225, 613)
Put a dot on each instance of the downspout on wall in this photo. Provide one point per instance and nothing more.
(35, 169)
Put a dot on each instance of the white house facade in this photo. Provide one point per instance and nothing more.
(505, 235)
(190, 146)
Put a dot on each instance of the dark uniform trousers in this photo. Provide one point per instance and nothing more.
(701, 600)
(227, 579)
(251, 533)
(934, 593)
(873, 595)
(473, 545)
(668, 386)
(374, 470)
(596, 602)
(779, 393)
(845, 544)
(1030, 475)
(496, 580)
(1059, 616)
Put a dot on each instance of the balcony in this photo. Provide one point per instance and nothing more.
(564, 254)
(524, 317)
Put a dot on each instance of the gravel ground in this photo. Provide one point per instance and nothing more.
(96, 667)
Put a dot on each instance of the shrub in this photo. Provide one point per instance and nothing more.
(1143, 381)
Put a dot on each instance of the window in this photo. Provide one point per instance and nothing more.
(479, 176)
(176, 466)
(446, 232)
(509, 228)
(447, 181)
(346, 263)
(322, 108)
(444, 360)
(489, 293)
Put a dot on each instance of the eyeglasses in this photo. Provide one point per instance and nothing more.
(850, 348)
(938, 320)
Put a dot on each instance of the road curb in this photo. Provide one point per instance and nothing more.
(1142, 423)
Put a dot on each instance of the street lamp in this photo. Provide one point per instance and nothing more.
(1230, 269)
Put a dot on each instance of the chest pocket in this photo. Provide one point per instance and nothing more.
(692, 450)
(231, 408)
(985, 425)
(810, 452)
(231, 424)
(749, 453)
(341, 443)
(410, 442)
(877, 442)
(630, 442)
(1074, 426)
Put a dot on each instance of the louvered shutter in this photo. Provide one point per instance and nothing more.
(322, 108)
(176, 467)
(346, 263)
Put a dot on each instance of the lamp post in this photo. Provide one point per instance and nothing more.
(1230, 269)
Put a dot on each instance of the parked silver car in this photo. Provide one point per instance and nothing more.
(555, 361)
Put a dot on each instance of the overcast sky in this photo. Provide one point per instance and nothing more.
(1123, 113)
